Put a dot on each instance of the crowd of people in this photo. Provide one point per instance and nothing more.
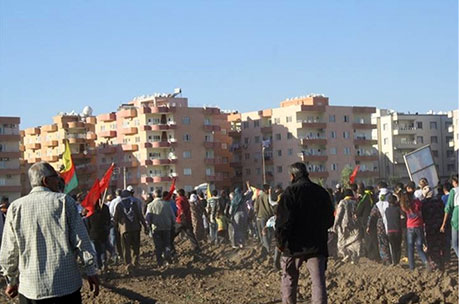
(302, 223)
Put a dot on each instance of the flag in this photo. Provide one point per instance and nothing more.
(353, 174)
(91, 198)
(68, 172)
(104, 182)
(208, 192)
(171, 189)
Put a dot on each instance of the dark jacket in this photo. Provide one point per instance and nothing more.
(128, 217)
(262, 206)
(304, 215)
(99, 224)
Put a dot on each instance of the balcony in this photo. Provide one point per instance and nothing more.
(91, 136)
(50, 128)
(158, 127)
(451, 143)
(76, 125)
(127, 113)
(76, 140)
(50, 158)
(146, 179)
(10, 188)
(129, 131)
(266, 113)
(363, 126)
(50, 143)
(267, 129)
(450, 129)
(157, 144)
(364, 110)
(109, 117)
(32, 131)
(128, 164)
(161, 179)
(108, 134)
(316, 158)
(313, 141)
(211, 111)
(314, 125)
(404, 130)
(408, 145)
(367, 174)
(211, 128)
(13, 171)
(129, 148)
(320, 174)
(10, 137)
(268, 161)
(236, 164)
(234, 133)
(212, 144)
(365, 158)
(81, 155)
(155, 110)
(361, 141)
(214, 178)
(88, 169)
(33, 160)
(107, 150)
(160, 161)
(34, 146)
(11, 154)
(312, 108)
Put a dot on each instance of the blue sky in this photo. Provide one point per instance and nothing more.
(245, 55)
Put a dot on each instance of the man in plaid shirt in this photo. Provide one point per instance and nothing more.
(42, 237)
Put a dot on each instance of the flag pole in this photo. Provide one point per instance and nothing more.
(263, 164)
(105, 191)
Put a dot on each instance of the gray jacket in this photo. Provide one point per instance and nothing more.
(160, 215)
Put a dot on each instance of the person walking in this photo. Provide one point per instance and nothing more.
(184, 219)
(42, 238)
(211, 209)
(451, 210)
(393, 216)
(99, 228)
(304, 215)
(264, 210)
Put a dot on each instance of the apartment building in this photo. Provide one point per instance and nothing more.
(400, 133)
(47, 143)
(326, 138)
(153, 139)
(10, 171)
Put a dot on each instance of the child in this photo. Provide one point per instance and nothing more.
(393, 215)
(222, 224)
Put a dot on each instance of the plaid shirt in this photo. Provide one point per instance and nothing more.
(43, 235)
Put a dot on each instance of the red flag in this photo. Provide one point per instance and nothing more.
(104, 183)
(91, 198)
(353, 174)
(171, 190)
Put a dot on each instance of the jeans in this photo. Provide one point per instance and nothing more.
(240, 223)
(213, 232)
(112, 241)
(290, 277)
(415, 237)
(455, 241)
(100, 248)
(188, 230)
(265, 238)
(161, 240)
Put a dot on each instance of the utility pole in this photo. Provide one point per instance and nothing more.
(124, 177)
(263, 164)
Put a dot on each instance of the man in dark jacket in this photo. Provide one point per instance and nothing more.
(304, 215)
(264, 210)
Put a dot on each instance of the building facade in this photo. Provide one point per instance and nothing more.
(10, 154)
(326, 138)
(47, 143)
(399, 133)
(153, 139)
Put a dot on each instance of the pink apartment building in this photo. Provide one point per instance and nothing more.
(327, 138)
(153, 139)
(10, 154)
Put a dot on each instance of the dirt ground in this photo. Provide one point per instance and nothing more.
(225, 275)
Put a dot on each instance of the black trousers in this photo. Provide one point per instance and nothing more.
(73, 298)
(394, 239)
(188, 230)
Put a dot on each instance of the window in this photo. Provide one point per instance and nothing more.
(420, 139)
(257, 139)
(288, 118)
(433, 125)
(331, 118)
(447, 124)
(346, 118)
(279, 152)
(333, 151)
(224, 146)
(224, 131)
(434, 139)
(385, 141)
(258, 171)
(185, 120)
(333, 134)
(419, 125)
(279, 169)
(210, 154)
(278, 136)
(346, 151)
(207, 122)
(187, 171)
(278, 120)
(289, 135)
(450, 168)
(245, 124)
(449, 153)
(246, 140)
(256, 123)
(247, 156)
(334, 167)
(290, 151)
(188, 188)
(209, 172)
(248, 171)
(385, 126)
(187, 137)
(346, 134)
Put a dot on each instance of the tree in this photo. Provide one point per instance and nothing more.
(345, 176)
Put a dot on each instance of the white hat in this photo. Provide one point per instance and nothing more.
(337, 186)
(130, 188)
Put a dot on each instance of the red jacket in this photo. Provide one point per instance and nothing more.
(414, 215)
(183, 210)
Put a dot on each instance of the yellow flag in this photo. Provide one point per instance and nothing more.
(208, 192)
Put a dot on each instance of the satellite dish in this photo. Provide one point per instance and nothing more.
(87, 111)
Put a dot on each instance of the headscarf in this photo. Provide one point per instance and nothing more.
(236, 200)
